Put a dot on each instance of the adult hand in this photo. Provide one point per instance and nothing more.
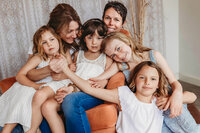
(62, 92)
(175, 104)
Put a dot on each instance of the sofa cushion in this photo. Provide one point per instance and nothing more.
(7, 83)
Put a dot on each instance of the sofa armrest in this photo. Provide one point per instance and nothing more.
(195, 112)
(5, 84)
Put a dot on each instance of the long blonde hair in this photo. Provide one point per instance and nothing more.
(134, 45)
(162, 89)
(37, 41)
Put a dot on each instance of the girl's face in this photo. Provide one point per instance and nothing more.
(49, 43)
(69, 34)
(118, 50)
(113, 20)
(146, 81)
(93, 42)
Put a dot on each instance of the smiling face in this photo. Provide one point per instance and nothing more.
(93, 42)
(69, 33)
(118, 50)
(113, 20)
(146, 81)
(49, 43)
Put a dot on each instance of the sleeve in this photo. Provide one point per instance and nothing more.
(126, 97)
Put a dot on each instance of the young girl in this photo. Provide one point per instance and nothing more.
(90, 62)
(128, 54)
(15, 104)
(139, 112)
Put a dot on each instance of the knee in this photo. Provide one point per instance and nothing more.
(39, 97)
(47, 108)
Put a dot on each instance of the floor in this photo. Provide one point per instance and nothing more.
(192, 88)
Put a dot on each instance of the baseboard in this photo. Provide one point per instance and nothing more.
(190, 79)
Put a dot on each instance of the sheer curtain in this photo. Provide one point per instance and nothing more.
(19, 19)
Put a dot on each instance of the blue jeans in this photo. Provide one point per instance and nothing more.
(184, 123)
(74, 107)
(44, 127)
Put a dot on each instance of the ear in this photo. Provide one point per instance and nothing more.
(124, 23)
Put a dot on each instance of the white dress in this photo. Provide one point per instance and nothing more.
(16, 103)
(84, 68)
(137, 116)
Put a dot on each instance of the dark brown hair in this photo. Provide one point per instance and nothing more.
(61, 16)
(89, 28)
(119, 8)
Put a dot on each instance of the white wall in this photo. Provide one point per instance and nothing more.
(172, 34)
(189, 38)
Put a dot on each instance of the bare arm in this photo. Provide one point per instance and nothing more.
(107, 95)
(188, 97)
(21, 75)
(175, 100)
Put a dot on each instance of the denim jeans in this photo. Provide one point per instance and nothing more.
(74, 107)
(184, 123)
(44, 127)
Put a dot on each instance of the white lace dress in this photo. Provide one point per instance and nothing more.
(16, 103)
(84, 68)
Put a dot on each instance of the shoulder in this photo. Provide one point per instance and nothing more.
(35, 58)
(158, 56)
(109, 61)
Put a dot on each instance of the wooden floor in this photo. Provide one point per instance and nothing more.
(192, 88)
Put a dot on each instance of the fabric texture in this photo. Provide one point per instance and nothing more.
(16, 103)
(137, 116)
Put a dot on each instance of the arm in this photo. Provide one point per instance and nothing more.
(113, 69)
(188, 97)
(175, 100)
(21, 75)
(107, 95)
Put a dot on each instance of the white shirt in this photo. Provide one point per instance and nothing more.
(137, 116)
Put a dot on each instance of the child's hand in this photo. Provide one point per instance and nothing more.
(58, 63)
(175, 104)
(161, 102)
(72, 67)
(62, 92)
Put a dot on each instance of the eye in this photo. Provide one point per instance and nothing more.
(153, 79)
(141, 77)
(100, 38)
(52, 39)
(116, 19)
(44, 42)
(107, 17)
(118, 49)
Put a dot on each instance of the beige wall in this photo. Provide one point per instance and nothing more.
(189, 41)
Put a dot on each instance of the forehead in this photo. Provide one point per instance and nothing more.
(46, 34)
(71, 26)
(147, 70)
(112, 13)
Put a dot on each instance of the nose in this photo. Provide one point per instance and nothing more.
(93, 41)
(146, 81)
(111, 22)
(49, 44)
(74, 35)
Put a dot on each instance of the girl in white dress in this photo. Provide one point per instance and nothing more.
(139, 112)
(90, 62)
(15, 104)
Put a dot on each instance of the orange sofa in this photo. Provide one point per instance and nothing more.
(102, 118)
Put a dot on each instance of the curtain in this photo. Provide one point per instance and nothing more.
(19, 19)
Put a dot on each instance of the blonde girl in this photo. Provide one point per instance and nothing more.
(139, 112)
(15, 104)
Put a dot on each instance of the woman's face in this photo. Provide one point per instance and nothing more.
(113, 20)
(118, 50)
(69, 34)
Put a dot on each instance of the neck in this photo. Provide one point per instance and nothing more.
(92, 55)
(142, 98)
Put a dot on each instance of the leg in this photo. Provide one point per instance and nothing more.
(49, 111)
(38, 99)
(74, 107)
(44, 127)
(9, 127)
(184, 123)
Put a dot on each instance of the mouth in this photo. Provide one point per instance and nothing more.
(111, 29)
(51, 49)
(146, 88)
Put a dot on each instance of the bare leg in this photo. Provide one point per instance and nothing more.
(49, 111)
(38, 99)
(8, 127)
